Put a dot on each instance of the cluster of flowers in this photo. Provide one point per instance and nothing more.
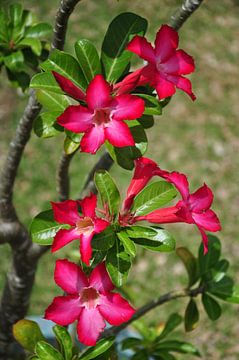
(90, 300)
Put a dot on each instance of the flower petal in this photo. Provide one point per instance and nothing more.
(85, 248)
(201, 199)
(64, 310)
(166, 42)
(204, 239)
(100, 280)
(88, 205)
(180, 63)
(93, 139)
(129, 83)
(182, 83)
(69, 277)
(118, 134)
(98, 93)
(90, 325)
(164, 87)
(115, 309)
(207, 220)
(69, 87)
(76, 118)
(140, 46)
(162, 216)
(180, 181)
(100, 225)
(65, 212)
(127, 107)
(63, 237)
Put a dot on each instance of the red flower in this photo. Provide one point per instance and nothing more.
(103, 117)
(89, 300)
(192, 209)
(165, 67)
(82, 227)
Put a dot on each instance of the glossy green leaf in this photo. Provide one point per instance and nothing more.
(125, 156)
(152, 238)
(140, 355)
(108, 191)
(118, 264)
(3, 28)
(64, 339)
(206, 262)
(163, 355)
(128, 244)
(70, 146)
(191, 317)
(45, 81)
(121, 30)
(38, 31)
(47, 352)
(94, 351)
(179, 347)
(224, 289)
(66, 65)
(52, 101)
(104, 240)
(190, 263)
(131, 343)
(45, 125)
(152, 197)
(14, 61)
(27, 333)
(211, 306)
(219, 270)
(173, 321)
(152, 104)
(147, 121)
(15, 12)
(34, 44)
(43, 228)
(88, 59)
(18, 79)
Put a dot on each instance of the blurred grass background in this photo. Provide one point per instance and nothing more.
(200, 139)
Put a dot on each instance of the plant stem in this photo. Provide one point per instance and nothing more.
(184, 12)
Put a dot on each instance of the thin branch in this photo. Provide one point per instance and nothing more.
(63, 180)
(184, 12)
(114, 330)
(105, 162)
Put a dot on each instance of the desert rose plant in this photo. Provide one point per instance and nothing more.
(100, 102)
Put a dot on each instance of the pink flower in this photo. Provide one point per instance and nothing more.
(165, 67)
(82, 227)
(103, 117)
(89, 300)
(192, 209)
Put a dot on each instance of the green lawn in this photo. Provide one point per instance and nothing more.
(200, 139)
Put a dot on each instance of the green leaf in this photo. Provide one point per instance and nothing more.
(108, 191)
(39, 31)
(34, 44)
(121, 30)
(64, 339)
(140, 355)
(52, 101)
(152, 105)
(173, 321)
(47, 352)
(191, 317)
(128, 244)
(67, 66)
(45, 81)
(70, 146)
(131, 343)
(211, 307)
(224, 289)
(94, 351)
(179, 347)
(45, 125)
(43, 228)
(125, 156)
(88, 59)
(104, 240)
(15, 12)
(190, 263)
(14, 61)
(147, 121)
(152, 238)
(3, 28)
(161, 355)
(27, 333)
(19, 79)
(219, 270)
(152, 197)
(206, 262)
(118, 264)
